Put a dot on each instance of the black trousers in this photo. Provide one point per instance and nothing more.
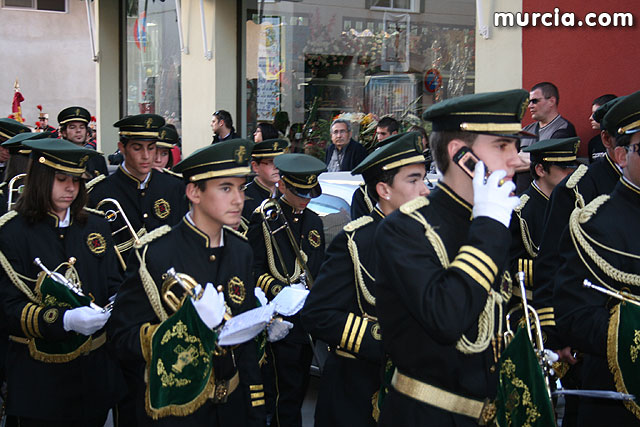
(290, 362)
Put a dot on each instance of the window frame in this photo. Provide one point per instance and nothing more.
(34, 8)
(414, 7)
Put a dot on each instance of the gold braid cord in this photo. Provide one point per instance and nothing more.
(89, 185)
(581, 242)
(486, 320)
(527, 241)
(366, 197)
(148, 284)
(572, 183)
(16, 278)
(272, 263)
(358, 269)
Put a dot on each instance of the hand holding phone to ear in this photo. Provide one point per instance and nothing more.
(491, 199)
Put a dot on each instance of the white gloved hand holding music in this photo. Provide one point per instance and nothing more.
(210, 306)
(491, 199)
(299, 286)
(260, 296)
(84, 320)
(278, 329)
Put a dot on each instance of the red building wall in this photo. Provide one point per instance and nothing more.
(584, 62)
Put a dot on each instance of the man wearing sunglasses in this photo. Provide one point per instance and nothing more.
(549, 124)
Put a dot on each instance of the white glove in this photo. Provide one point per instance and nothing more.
(299, 286)
(259, 293)
(278, 329)
(211, 306)
(84, 320)
(490, 199)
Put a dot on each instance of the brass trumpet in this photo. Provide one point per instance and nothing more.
(13, 189)
(621, 295)
(270, 210)
(188, 284)
(111, 215)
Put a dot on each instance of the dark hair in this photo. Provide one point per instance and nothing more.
(389, 123)
(268, 130)
(225, 116)
(17, 164)
(623, 140)
(548, 90)
(372, 182)
(440, 141)
(546, 166)
(601, 100)
(35, 201)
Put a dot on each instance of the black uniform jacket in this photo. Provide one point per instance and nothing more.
(342, 314)
(425, 308)
(308, 233)
(361, 203)
(162, 202)
(582, 314)
(186, 249)
(526, 232)
(600, 178)
(254, 194)
(96, 165)
(87, 386)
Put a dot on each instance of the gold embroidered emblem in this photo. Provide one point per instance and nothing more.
(50, 315)
(162, 134)
(635, 348)
(185, 357)
(96, 243)
(83, 160)
(161, 208)
(275, 289)
(523, 108)
(375, 331)
(149, 122)
(77, 112)
(236, 290)
(275, 146)
(311, 179)
(314, 238)
(575, 146)
(240, 154)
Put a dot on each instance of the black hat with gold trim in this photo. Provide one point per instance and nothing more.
(404, 149)
(141, 127)
(300, 173)
(494, 113)
(624, 116)
(269, 148)
(223, 159)
(74, 114)
(15, 146)
(562, 150)
(10, 128)
(167, 137)
(61, 155)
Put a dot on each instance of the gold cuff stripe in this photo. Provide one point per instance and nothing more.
(482, 257)
(471, 272)
(30, 314)
(345, 332)
(548, 323)
(545, 310)
(471, 260)
(363, 328)
(354, 332)
(257, 395)
(549, 316)
(257, 403)
(35, 321)
(256, 387)
(23, 319)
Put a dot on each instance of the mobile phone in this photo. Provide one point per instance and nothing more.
(466, 159)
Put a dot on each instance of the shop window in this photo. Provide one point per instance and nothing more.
(396, 5)
(41, 5)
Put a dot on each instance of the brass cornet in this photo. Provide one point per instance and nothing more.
(111, 215)
(270, 211)
(15, 190)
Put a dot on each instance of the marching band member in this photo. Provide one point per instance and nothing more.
(74, 125)
(440, 268)
(341, 307)
(168, 139)
(57, 351)
(168, 351)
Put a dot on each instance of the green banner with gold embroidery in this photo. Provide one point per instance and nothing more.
(55, 295)
(522, 398)
(623, 351)
(180, 369)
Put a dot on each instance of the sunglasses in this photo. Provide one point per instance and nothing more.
(635, 148)
(534, 101)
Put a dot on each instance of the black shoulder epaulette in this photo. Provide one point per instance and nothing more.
(153, 235)
(235, 232)
(357, 223)
(415, 204)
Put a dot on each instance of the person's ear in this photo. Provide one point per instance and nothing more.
(193, 193)
(620, 156)
(384, 190)
(540, 170)
(453, 147)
